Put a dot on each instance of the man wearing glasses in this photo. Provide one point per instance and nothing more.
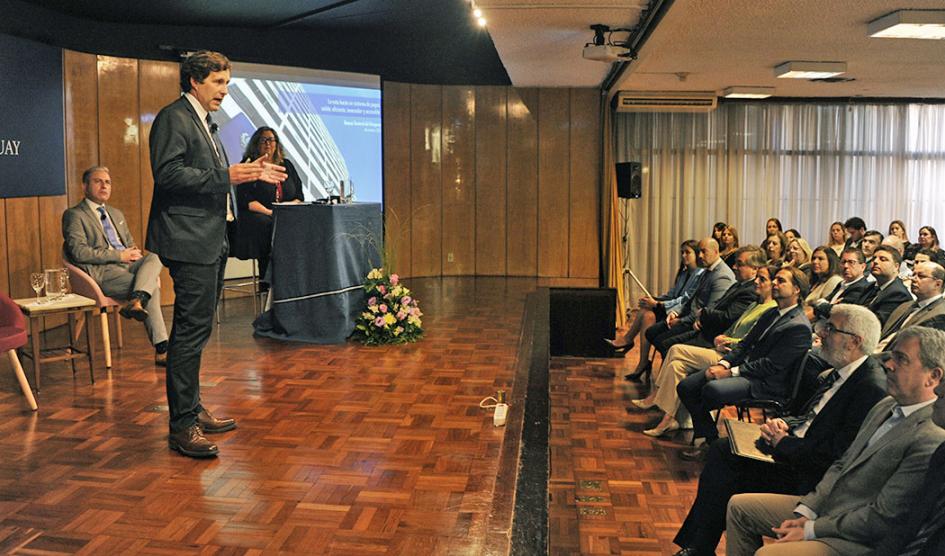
(805, 444)
(927, 284)
(852, 289)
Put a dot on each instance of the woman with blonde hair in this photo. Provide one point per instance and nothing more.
(728, 244)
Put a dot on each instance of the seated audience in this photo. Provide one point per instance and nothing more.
(871, 240)
(98, 240)
(928, 239)
(924, 256)
(928, 283)
(855, 228)
(728, 245)
(898, 229)
(805, 444)
(712, 321)
(758, 366)
(255, 201)
(825, 274)
(905, 272)
(685, 359)
(776, 248)
(876, 481)
(887, 292)
(837, 238)
(851, 290)
(717, 230)
(792, 234)
(717, 279)
(654, 309)
(772, 227)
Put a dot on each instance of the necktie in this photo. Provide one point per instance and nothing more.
(218, 148)
(800, 424)
(894, 419)
(110, 234)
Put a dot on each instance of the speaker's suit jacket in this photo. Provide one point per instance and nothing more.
(864, 492)
(712, 286)
(855, 294)
(715, 320)
(884, 301)
(85, 243)
(769, 350)
(906, 529)
(932, 315)
(188, 210)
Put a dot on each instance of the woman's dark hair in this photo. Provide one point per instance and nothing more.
(796, 233)
(776, 221)
(693, 245)
(718, 228)
(833, 265)
(782, 239)
(252, 148)
(734, 233)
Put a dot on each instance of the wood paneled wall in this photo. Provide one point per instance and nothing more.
(493, 181)
(109, 105)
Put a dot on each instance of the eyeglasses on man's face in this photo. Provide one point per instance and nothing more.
(828, 328)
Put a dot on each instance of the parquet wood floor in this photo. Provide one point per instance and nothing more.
(613, 489)
(340, 449)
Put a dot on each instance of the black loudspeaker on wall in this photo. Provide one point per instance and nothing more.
(629, 180)
(580, 319)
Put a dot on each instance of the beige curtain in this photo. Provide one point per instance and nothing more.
(806, 164)
(610, 208)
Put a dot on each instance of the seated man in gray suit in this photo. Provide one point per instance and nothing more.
(98, 241)
(873, 484)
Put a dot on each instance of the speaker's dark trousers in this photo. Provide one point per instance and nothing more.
(197, 288)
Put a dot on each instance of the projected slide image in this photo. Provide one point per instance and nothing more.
(330, 133)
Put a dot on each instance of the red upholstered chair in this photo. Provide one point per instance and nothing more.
(84, 285)
(13, 336)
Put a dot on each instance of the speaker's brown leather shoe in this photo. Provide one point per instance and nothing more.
(213, 425)
(134, 310)
(192, 443)
(160, 359)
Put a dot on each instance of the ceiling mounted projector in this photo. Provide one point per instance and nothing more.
(604, 52)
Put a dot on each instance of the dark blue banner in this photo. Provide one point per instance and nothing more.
(32, 143)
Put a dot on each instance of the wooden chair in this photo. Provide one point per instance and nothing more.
(12, 337)
(84, 285)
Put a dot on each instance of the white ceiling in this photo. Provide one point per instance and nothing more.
(540, 41)
(720, 43)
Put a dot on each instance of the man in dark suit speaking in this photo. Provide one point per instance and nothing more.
(193, 200)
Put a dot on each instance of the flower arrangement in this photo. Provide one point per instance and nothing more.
(392, 315)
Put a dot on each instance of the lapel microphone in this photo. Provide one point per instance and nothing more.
(214, 127)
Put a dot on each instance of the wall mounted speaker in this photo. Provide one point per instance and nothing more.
(629, 180)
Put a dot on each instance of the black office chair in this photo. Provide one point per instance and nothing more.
(775, 407)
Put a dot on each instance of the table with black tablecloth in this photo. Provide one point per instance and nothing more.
(321, 255)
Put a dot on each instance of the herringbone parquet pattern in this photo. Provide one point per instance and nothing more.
(340, 449)
(613, 489)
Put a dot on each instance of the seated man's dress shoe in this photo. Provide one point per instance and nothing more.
(213, 425)
(192, 443)
(134, 310)
(160, 359)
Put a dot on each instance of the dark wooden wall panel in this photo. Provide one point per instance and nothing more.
(158, 85)
(584, 233)
(24, 251)
(553, 181)
(118, 118)
(459, 181)
(522, 182)
(491, 170)
(397, 182)
(426, 218)
(81, 95)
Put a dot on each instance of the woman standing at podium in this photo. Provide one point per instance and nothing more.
(252, 235)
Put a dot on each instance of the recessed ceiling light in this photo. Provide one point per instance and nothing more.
(748, 92)
(481, 21)
(909, 24)
(809, 70)
(477, 13)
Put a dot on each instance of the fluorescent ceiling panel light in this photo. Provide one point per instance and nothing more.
(810, 70)
(748, 92)
(909, 24)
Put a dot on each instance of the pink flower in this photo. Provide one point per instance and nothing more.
(415, 311)
(372, 301)
(406, 300)
(381, 289)
(394, 279)
(383, 308)
(401, 315)
(379, 322)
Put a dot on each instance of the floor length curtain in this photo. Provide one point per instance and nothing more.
(806, 164)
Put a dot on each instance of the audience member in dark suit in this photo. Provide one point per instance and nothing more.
(928, 283)
(856, 229)
(805, 444)
(876, 481)
(888, 291)
(193, 200)
(712, 321)
(253, 229)
(758, 366)
(713, 284)
(98, 241)
(852, 289)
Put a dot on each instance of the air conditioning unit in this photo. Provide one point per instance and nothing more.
(665, 101)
